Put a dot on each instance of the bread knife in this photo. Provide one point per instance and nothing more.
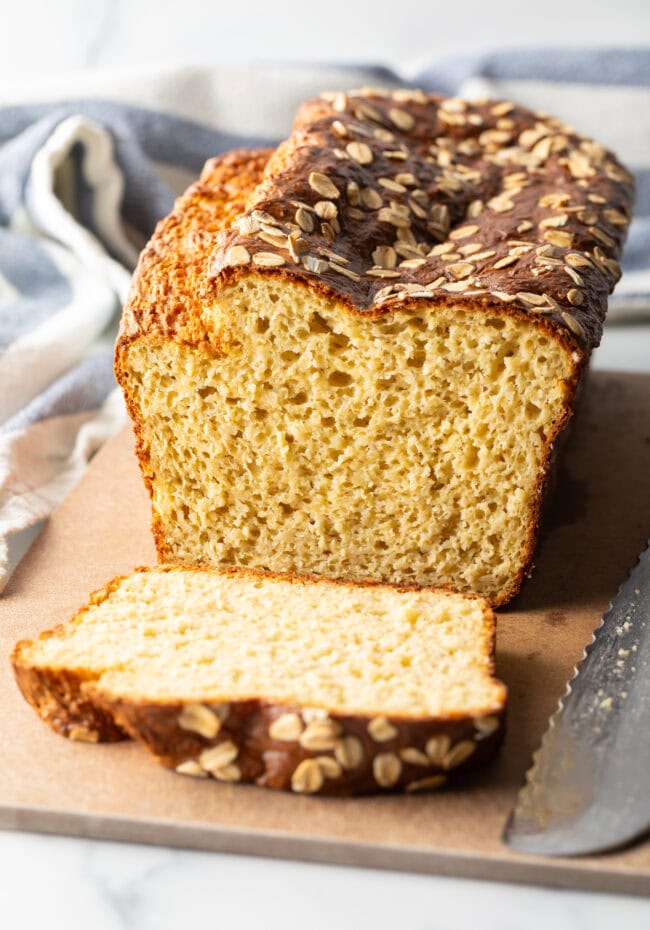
(588, 789)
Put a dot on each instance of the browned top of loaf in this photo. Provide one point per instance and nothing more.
(385, 199)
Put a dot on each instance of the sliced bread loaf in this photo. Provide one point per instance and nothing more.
(354, 357)
(295, 683)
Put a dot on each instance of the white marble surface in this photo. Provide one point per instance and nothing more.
(64, 884)
(67, 883)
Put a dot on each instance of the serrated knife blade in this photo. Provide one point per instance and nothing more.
(588, 789)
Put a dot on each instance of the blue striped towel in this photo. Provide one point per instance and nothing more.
(87, 166)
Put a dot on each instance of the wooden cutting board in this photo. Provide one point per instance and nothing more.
(599, 522)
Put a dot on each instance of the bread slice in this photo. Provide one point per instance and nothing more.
(353, 356)
(293, 683)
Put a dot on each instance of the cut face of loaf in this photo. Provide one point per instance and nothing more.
(353, 358)
(303, 684)
(405, 448)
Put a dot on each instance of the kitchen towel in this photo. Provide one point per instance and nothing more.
(89, 163)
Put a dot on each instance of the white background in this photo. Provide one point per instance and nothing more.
(55, 882)
(69, 34)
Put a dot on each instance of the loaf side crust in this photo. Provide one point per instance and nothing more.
(168, 284)
(344, 755)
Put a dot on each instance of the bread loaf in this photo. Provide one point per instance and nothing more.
(353, 356)
(294, 683)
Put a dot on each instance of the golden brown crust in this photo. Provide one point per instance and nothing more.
(58, 696)
(169, 280)
(75, 705)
